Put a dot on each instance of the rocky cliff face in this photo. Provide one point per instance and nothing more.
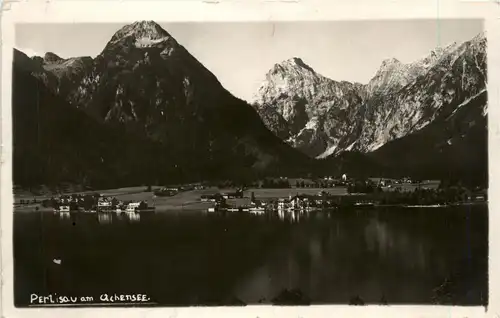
(309, 111)
(453, 78)
(322, 117)
(146, 84)
(394, 75)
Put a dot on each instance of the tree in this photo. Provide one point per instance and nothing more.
(266, 184)
(88, 202)
(73, 206)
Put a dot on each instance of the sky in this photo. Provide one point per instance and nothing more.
(240, 54)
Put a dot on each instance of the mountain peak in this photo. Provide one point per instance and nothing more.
(390, 61)
(297, 61)
(51, 58)
(481, 35)
(480, 39)
(140, 30)
(292, 65)
(440, 50)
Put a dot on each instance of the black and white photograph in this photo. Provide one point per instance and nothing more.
(286, 163)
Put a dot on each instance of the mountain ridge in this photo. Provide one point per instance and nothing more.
(158, 91)
(147, 85)
(392, 78)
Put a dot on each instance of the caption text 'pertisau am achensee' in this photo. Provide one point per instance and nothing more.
(55, 298)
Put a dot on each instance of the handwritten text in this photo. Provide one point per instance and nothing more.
(102, 298)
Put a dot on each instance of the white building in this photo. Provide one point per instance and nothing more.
(103, 203)
(132, 206)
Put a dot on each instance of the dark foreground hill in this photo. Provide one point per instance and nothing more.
(54, 142)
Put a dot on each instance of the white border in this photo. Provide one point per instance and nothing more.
(172, 11)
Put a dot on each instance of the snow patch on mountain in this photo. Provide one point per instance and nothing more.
(467, 101)
(350, 147)
(329, 151)
(148, 41)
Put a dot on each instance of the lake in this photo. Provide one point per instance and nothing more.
(372, 256)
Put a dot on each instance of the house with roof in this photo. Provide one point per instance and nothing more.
(63, 208)
(104, 203)
(217, 197)
(238, 194)
(132, 206)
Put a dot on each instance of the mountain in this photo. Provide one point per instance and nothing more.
(309, 111)
(146, 85)
(454, 77)
(416, 107)
(54, 142)
(451, 147)
(454, 142)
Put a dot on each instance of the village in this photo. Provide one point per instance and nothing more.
(278, 195)
(91, 203)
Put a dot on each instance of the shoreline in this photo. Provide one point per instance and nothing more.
(175, 209)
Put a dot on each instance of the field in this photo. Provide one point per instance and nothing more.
(284, 193)
(432, 184)
(190, 200)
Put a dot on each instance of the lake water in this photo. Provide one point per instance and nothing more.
(396, 255)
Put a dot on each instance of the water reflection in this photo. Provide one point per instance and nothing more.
(107, 218)
(292, 216)
(64, 215)
(390, 242)
(133, 216)
(351, 251)
(104, 218)
(120, 216)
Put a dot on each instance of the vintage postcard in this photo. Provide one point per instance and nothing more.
(265, 159)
